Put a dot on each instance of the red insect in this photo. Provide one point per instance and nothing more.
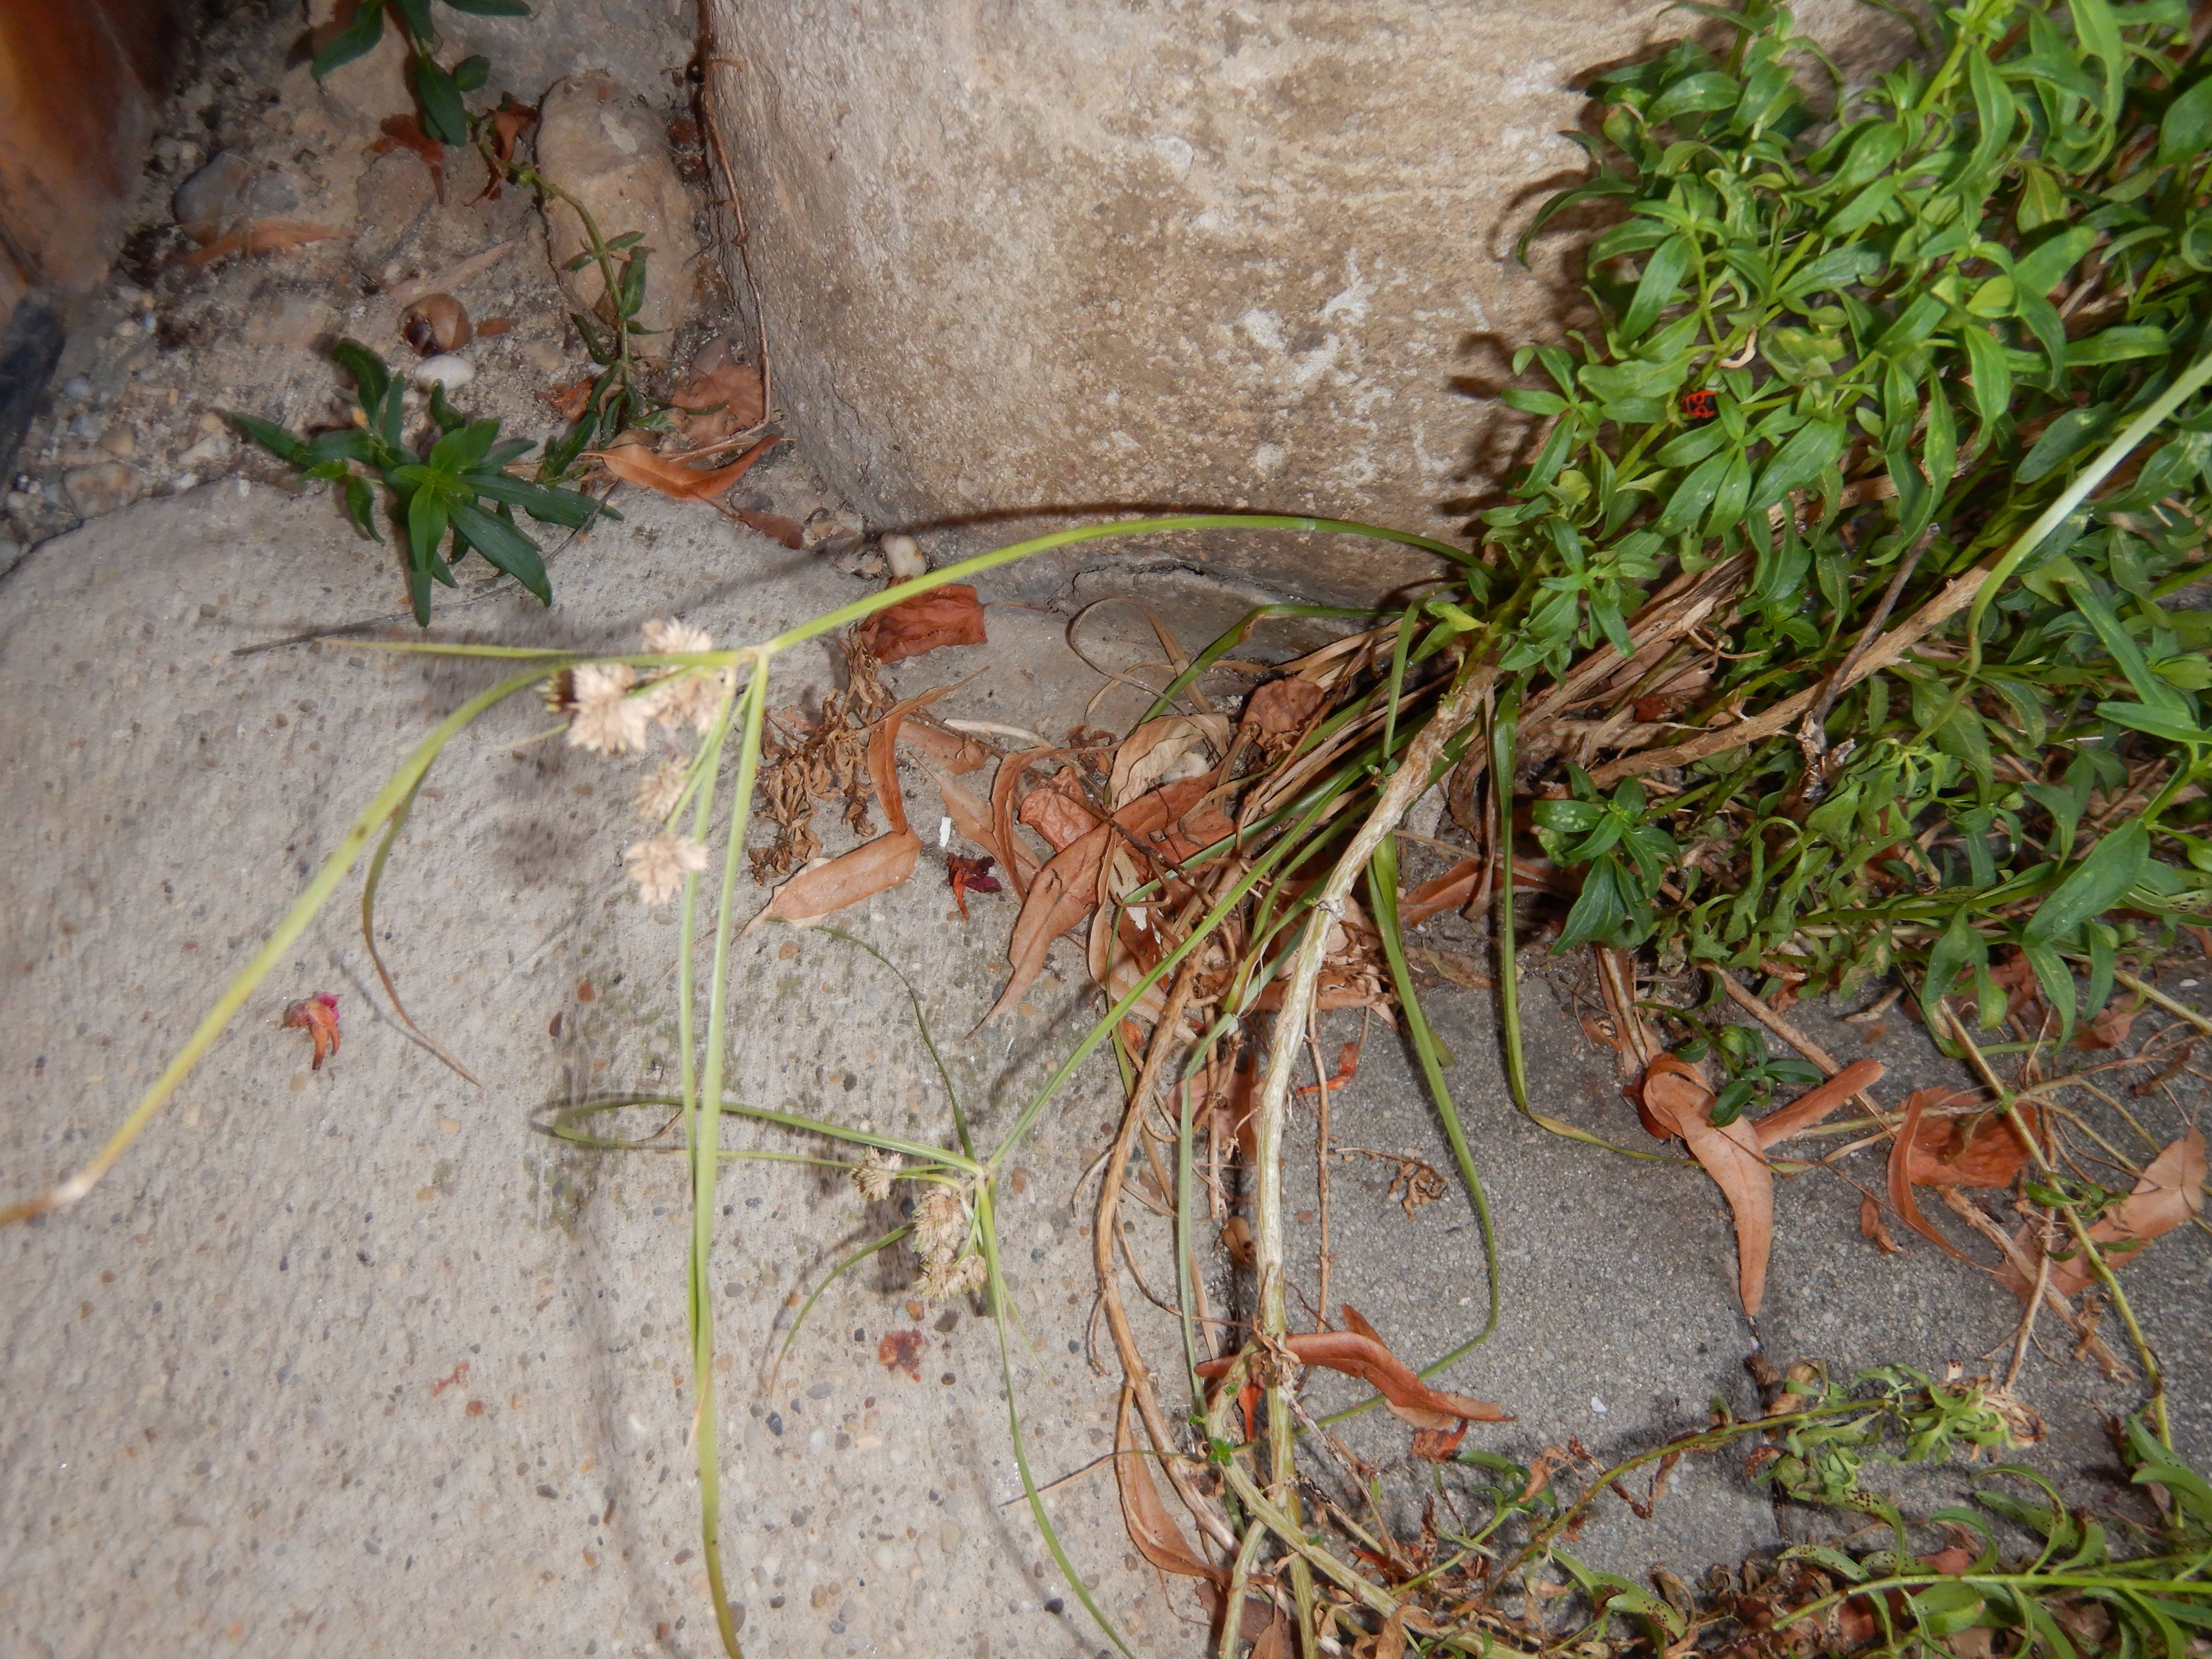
(1699, 406)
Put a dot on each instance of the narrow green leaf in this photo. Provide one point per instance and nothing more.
(506, 546)
(2187, 126)
(426, 527)
(356, 40)
(443, 117)
(1663, 275)
(361, 506)
(273, 437)
(368, 371)
(2094, 885)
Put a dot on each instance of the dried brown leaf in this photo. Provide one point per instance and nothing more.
(1901, 1149)
(967, 876)
(570, 401)
(1809, 1108)
(1276, 714)
(263, 236)
(509, 122)
(712, 407)
(1064, 891)
(1440, 893)
(873, 867)
(2170, 1191)
(636, 464)
(869, 868)
(773, 526)
(955, 751)
(1058, 813)
(1675, 1094)
(1153, 1528)
(1166, 750)
(318, 1016)
(1872, 1226)
(405, 132)
(2109, 1029)
(950, 615)
(1359, 1353)
(1275, 1641)
(1981, 1150)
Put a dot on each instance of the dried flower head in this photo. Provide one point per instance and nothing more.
(607, 721)
(877, 1172)
(940, 1225)
(942, 1280)
(657, 797)
(667, 635)
(691, 697)
(559, 693)
(659, 866)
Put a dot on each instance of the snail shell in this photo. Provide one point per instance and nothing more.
(435, 323)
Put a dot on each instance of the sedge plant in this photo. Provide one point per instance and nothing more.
(1829, 630)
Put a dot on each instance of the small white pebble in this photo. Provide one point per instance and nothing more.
(2189, 985)
(445, 369)
(904, 555)
(182, 482)
(1597, 1405)
(944, 832)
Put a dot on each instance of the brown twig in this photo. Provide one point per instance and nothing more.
(1955, 596)
(1978, 1218)
(1168, 1039)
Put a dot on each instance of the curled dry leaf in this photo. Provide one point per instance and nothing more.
(1166, 750)
(318, 1016)
(1675, 1098)
(570, 401)
(1276, 714)
(873, 867)
(1058, 812)
(712, 407)
(773, 526)
(2109, 1029)
(2170, 1191)
(509, 122)
(944, 615)
(1151, 1527)
(1872, 1226)
(1901, 1167)
(1360, 1353)
(636, 464)
(955, 751)
(1981, 1150)
(1808, 1109)
(1237, 1240)
(405, 132)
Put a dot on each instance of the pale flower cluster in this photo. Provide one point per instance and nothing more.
(608, 718)
(659, 866)
(686, 696)
(612, 709)
(941, 1229)
(877, 1171)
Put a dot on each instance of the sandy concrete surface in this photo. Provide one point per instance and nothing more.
(356, 1360)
